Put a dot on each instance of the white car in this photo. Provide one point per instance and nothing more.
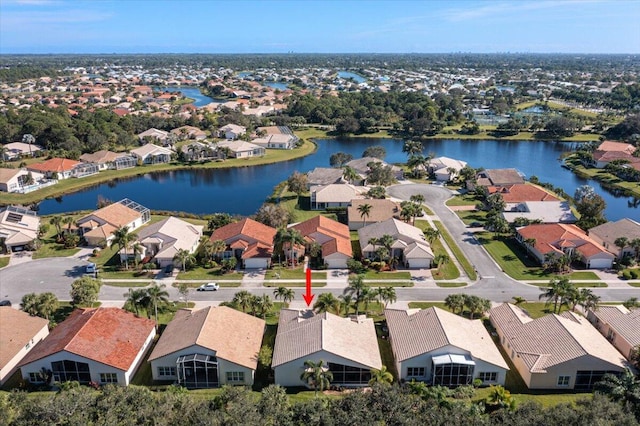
(209, 287)
(90, 268)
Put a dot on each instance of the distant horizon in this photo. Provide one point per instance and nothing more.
(78, 27)
(319, 53)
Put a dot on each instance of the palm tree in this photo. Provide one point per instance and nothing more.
(136, 249)
(556, 292)
(57, 222)
(625, 388)
(621, 243)
(184, 257)
(242, 299)
(263, 305)
(326, 302)
(29, 304)
(431, 234)
(365, 211)
(137, 299)
(476, 305)
(441, 259)
(501, 398)
(28, 138)
(68, 220)
(455, 302)
(367, 295)
(292, 237)
(284, 293)
(355, 287)
(217, 247)
(635, 244)
(48, 304)
(123, 239)
(346, 300)
(157, 294)
(412, 147)
(382, 376)
(518, 300)
(316, 375)
(386, 295)
(350, 174)
(588, 300)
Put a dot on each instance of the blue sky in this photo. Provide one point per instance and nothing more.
(163, 26)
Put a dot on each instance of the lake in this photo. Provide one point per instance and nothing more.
(276, 85)
(356, 77)
(242, 190)
(194, 93)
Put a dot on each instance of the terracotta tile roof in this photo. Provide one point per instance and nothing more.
(624, 322)
(258, 250)
(331, 235)
(303, 333)
(551, 237)
(616, 146)
(233, 335)
(114, 214)
(518, 193)
(247, 227)
(54, 165)
(110, 336)
(17, 328)
(553, 339)
(415, 332)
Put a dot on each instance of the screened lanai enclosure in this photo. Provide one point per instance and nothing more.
(452, 370)
(197, 371)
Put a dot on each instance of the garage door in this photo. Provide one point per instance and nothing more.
(599, 264)
(419, 263)
(336, 263)
(255, 263)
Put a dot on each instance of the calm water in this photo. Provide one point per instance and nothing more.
(200, 100)
(243, 190)
(276, 85)
(356, 77)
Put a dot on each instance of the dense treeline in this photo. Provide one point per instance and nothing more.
(623, 97)
(24, 72)
(604, 64)
(384, 405)
(353, 112)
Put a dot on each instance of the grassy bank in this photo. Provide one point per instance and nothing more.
(601, 175)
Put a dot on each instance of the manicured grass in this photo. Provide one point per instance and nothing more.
(516, 262)
(294, 274)
(314, 284)
(132, 284)
(469, 216)
(52, 249)
(462, 260)
(603, 176)
(634, 284)
(448, 284)
(447, 271)
(386, 353)
(547, 399)
(426, 305)
(463, 200)
(127, 274)
(397, 275)
(4, 261)
(213, 274)
(226, 284)
(579, 285)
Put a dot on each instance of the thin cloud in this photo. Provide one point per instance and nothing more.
(500, 9)
(17, 20)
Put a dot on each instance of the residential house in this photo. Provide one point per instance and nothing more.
(109, 160)
(361, 166)
(55, 168)
(18, 227)
(195, 151)
(333, 195)
(333, 237)
(348, 347)
(16, 150)
(98, 227)
(498, 177)
(189, 132)
(324, 176)
(162, 240)
(19, 334)
(242, 149)
(207, 348)
(559, 239)
(609, 151)
(555, 351)
(619, 325)
(540, 211)
(520, 193)
(445, 168)
(19, 180)
(154, 135)
(409, 245)
(248, 241)
(231, 131)
(381, 210)
(152, 154)
(99, 345)
(607, 234)
(277, 141)
(440, 348)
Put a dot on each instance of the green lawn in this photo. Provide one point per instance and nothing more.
(603, 176)
(52, 249)
(4, 261)
(294, 274)
(386, 352)
(447, 271)
(213, 274)
(634, 284)
(515, 261)
(463, 200)
(462, 260)
(469, 216)
(590, 284)
(449, 284)
(538, 309)
(426, 305)
(132, 284)
(396, 275)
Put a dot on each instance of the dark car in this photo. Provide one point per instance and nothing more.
(5, 303)
(168, 269)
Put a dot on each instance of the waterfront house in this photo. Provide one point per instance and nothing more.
(499, 177)
(276, 141)
(242, 149)
(540, 211)
(19, 334)
(563, 239)
(445, 168)
(231, 131)
(333, 195)
(348, 347)
(198, 151)
(332, 236)
(162, 240)
(105, 160)
(435, 346)
(16, 150)
(55, 168)
(207, 348)
(152, 154)
(99, 345)
(555, 351)
(19, 180)
(248, 241)
(324, 176)
(409, 245)
(361, 166)
(98, 227)
(609, 151)
(380, 211)
(189, 132)
(607, 234)
(619, 325)
(18, 227)
(153, 134)
(521, 192)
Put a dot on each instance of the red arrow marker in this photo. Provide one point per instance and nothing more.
(308, 296)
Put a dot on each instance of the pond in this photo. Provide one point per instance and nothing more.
(194, 93)
(242, 190)
(356, 77)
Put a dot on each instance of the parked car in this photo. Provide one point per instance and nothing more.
(5, 303)
(90, 268)
(209, 287)
(168, 270)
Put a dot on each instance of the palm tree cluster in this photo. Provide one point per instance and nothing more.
(147, 299)
(356, 294)
(561, 293)
(624, 242)
(258, 306)
(316, 375)
(40, 305)
(286, 240)
(123, 238)
(475, 305)
(64, 231)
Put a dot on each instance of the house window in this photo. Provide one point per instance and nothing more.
(513, 354)
(563, 380)
(415, 372)
(68, 370)
(27, 346)
(235, 376)
(166, 371)
(488, 376)
(108, 378)
(35, 378)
